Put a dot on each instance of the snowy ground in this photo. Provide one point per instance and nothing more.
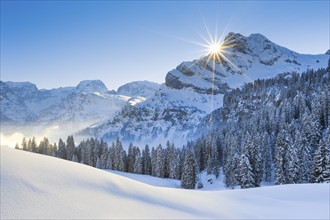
(40, 187)
(210, 182)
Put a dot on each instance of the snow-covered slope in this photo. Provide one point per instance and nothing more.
(150, 180)
(138, 88)
(35, 186)
(139, 91)
(186, 97)
(12, 106)
(169, 115)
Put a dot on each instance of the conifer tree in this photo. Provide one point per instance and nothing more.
(75, 158)
(146, 161)
(130, 158)
(24, 144)
(283, 143)
(153, 161)
(17, 147)
(246, 175)
(70, 147)
(29, 145)
(293, 163)
(61, 149)
(54, 151)
(232, 171)
(310, 140)
(159, 166)
(98, 162)
(321, 163)
(171, 161)
(119, 163)
(179, 162)
(104, 157)
(34, 147)
(44, 147)
(138, 163)
(189, 172)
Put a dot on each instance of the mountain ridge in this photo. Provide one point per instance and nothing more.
(59, 112)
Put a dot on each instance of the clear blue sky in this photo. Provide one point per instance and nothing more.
(59, 43)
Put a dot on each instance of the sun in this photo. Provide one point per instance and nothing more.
(214, 48)
(217, 50)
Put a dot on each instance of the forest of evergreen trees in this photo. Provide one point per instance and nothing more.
(163, 162)
(275, 130)
(272, 130)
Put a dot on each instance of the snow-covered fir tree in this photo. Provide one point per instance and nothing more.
(283, 143)
(189, 171)
(70, 146)
(293, 162)
(146, 161)
(159, 163)
(137, 162)
(245, 173)
(321, 161)
(61, 149)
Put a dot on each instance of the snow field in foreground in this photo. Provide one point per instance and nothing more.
(37, 186)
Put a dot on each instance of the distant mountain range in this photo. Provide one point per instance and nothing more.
(25, 107)
(149, 113)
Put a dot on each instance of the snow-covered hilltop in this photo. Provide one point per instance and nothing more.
(186, 97)
(68, 190)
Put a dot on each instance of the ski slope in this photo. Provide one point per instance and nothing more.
(41, 187)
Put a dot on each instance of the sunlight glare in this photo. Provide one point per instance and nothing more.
(214, 48)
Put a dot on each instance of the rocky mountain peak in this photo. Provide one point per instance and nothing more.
(22, 85)
(138, 88)
(89, 86)
(24, 89)
(248, 58)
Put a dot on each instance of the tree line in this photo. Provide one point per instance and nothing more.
(163, 162)
(273, 130)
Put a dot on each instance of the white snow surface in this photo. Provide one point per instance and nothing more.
(35, 186)
(150, 180)
(138, 88)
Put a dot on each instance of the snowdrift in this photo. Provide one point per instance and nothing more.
(41, 187)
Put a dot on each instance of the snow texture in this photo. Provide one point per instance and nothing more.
(41, 187)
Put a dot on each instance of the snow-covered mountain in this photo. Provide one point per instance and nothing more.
(68, 190)
(23, 104)
(12, 106)
(186, 97)
(139, 91)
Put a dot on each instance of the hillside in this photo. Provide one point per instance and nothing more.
(40, 187)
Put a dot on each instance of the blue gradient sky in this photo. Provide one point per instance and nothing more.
(59, 43)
